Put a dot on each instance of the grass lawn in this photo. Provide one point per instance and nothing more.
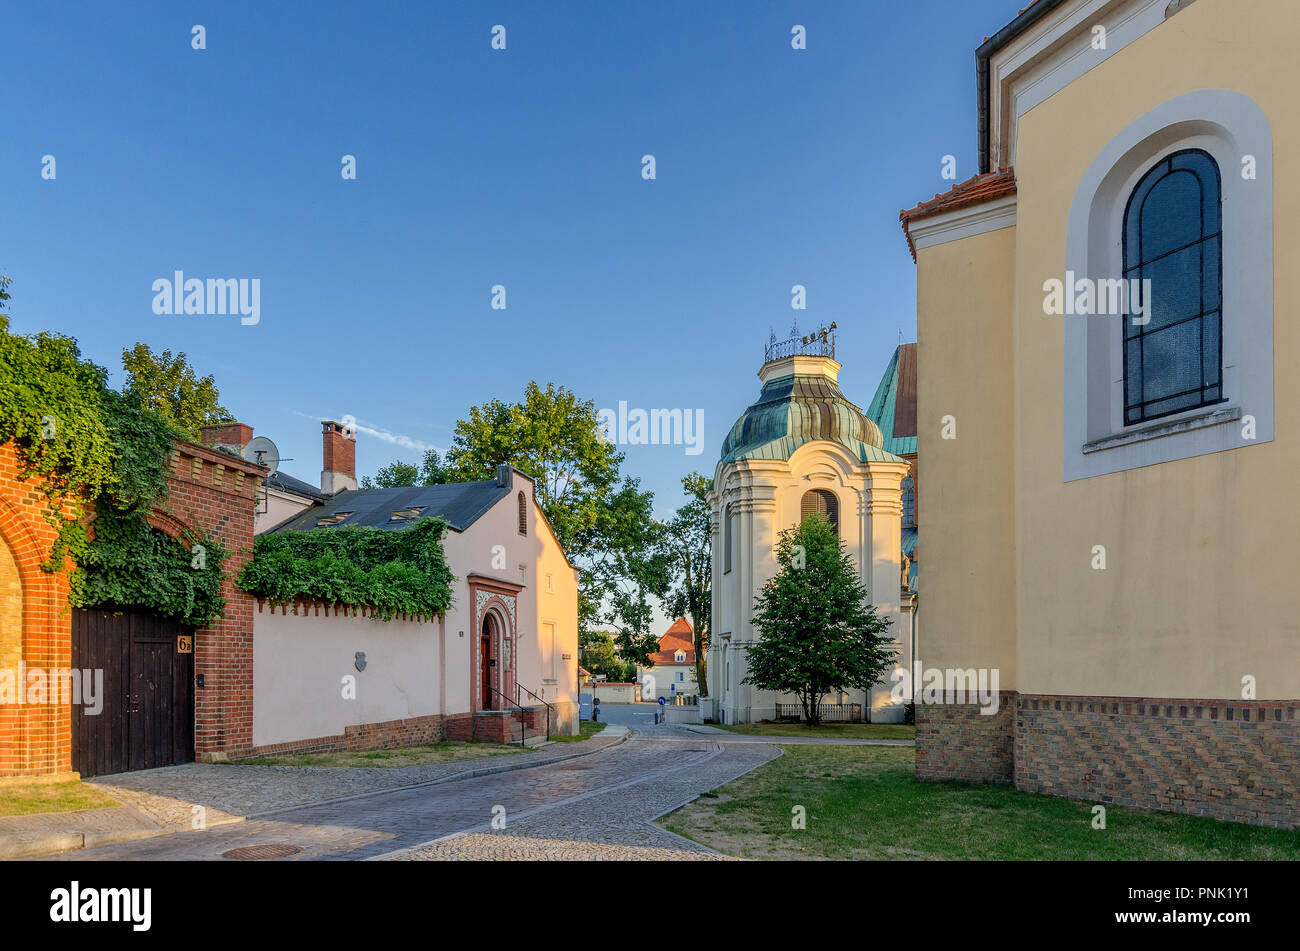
(586, 729)
(24, 799)
(856, 731)
(863, 802)
(387, 759)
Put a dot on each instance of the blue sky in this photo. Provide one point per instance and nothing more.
(476, 167)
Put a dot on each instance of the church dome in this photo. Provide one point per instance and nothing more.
(800, 403)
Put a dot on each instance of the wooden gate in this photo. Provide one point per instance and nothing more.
(147, 714)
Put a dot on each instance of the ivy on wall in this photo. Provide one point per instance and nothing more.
(87, 446)
(399, 572)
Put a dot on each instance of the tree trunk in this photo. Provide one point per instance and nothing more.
(701, 668)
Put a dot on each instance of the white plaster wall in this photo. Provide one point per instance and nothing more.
(279, 507)
(300, 662)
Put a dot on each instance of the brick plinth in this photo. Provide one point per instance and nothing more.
(414, 731)
(958, 741)
(1235, 760)
(1225, 759)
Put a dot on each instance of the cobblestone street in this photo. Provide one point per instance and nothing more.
(594, 806)
(597, 805)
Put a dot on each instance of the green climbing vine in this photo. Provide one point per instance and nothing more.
(91, 448)
(396, 572)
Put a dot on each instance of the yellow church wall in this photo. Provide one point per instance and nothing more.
(1199, 588)
(964, 299)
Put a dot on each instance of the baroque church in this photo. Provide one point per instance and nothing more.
(803, 448)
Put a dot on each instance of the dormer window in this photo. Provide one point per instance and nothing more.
(405, 515)
(680, 657)
(332, 519)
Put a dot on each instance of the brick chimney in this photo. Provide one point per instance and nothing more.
(339, 455)
(228, 435)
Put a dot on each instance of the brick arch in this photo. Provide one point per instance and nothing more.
(168, 524)
(40, 734)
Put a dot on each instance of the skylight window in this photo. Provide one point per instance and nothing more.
(404, 515)
(332, 519)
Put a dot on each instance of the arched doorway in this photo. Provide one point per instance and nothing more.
(487, 661)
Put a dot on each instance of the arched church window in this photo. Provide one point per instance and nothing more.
(1173, 361)
(824, 503)
(909, 502)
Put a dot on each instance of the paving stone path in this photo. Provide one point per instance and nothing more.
(167, 794)
(596, 806)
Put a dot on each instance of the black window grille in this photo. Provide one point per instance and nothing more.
(1173, 237)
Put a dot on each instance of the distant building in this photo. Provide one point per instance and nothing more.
(800, 449)
(672, 669)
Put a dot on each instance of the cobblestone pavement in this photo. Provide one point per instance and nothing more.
(512, 848)
(602, 801)
(613, 823)
(167, 795)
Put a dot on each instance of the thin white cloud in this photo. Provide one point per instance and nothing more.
(384, 435)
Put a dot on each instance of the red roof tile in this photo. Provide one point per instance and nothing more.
(681, 636)
(974, 190)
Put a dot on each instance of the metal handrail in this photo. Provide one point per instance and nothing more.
(519, 699)
(523, 715)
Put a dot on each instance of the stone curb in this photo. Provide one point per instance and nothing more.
(38, 844)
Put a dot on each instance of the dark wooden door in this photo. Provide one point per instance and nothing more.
(485, 669)
(147, 717)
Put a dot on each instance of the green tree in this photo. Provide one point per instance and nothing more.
(600, 656)
(819, 633)
(168, 386)
(394, 475)
(688, 541)
(602, 519)
(433, 470)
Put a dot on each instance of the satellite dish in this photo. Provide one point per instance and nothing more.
(263, 452)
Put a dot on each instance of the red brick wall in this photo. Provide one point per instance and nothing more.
(373, 736)
(209, 491)
(35, 628)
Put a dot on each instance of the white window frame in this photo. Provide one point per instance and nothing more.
(1229, 126)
